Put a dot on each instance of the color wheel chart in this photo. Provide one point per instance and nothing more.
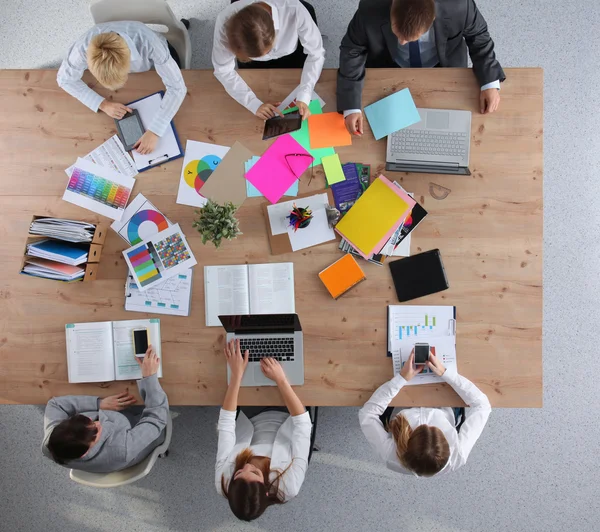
(154, 220)
(196, 172)
(145, 264)
(98, 188)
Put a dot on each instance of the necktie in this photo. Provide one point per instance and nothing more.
(414, 54)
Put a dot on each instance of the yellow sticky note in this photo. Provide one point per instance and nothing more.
(333, 168)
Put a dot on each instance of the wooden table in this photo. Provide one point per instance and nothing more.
(489, 230)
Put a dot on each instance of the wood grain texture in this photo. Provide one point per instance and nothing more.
(489, 230)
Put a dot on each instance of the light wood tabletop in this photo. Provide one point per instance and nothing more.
(489, 231)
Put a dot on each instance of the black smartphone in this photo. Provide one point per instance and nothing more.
(140, 342)
(280, 125)
(421, 354)
(130, 129)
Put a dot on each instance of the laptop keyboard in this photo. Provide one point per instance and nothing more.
(423, 142)
(281, 349)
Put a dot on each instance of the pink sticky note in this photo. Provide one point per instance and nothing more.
(283, 163)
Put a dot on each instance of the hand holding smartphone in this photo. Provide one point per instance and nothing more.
(140, 342)
(421, 354)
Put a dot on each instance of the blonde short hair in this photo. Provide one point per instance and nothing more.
(108, 58)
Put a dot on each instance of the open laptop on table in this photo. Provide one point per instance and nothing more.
(267, 335)
(438, 144)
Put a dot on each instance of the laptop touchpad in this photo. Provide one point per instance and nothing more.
(438, 120)
(260, 379)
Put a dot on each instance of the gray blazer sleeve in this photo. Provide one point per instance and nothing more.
(481, 47)
(141, 439)
(353, 59)
(60, 408)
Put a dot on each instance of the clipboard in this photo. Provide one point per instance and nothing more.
(166, 157)
(280, 244)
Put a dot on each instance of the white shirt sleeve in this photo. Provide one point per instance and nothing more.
(312, 43)
(380, 440)
(492, 85)
(226, 430)
(351, 111)
(291, 481)
(224, 64)
(69, 77)
(169, 72)
(476, 415)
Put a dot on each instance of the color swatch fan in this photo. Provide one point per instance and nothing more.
(140, 221)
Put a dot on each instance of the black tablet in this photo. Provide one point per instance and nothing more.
(280, 125)
(130, 129)
(419, 275)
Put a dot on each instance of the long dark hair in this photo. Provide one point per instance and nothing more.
(249, 500)
(71, 438)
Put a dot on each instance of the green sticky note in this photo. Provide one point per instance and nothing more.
(333, 168)
(303, 138)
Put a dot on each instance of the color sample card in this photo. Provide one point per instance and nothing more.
(140, 221)
(328, 129)
(98, 189)
(160, 257)
(199, 163)
(302, 136)
(333, 169)
(392, 113)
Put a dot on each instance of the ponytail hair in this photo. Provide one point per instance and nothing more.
(424, 451)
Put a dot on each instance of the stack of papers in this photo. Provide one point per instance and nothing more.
(110, 154)
(62, 252)
(69, 230)
(52, 270)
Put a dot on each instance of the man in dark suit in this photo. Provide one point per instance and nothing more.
(412, 34)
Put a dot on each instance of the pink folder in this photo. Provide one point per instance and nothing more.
(283, 162)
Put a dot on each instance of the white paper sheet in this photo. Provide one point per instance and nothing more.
(85, 183)
(90, 352)
(277, 216)
(289, 100)
(172, 297)
(167, 146)
(111, 154)
(318, 231)
(225, 292)
(271, 288)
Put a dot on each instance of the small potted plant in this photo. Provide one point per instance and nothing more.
(217, 222)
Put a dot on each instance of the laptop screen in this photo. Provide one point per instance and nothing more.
(261, 323)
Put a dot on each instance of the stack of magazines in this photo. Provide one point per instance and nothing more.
(69, 230)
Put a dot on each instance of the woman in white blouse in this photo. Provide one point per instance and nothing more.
(251, 30)
(424, 441)
(261, 461)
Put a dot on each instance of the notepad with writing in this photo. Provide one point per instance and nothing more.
(372, 220)
(342, 275)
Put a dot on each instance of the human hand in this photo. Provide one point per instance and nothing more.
(117, 402)
(273, 370)
(268, 110)
(409, 370)
(489, 100)
(147, 143)
(303, 110)
(114, 109)
(354, 123)
(150, 363)
(236, 362)
(435, 365)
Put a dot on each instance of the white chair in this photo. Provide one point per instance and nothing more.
(129, 475)
(149, 12)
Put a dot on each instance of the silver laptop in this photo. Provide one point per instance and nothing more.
(438, 144)
(268, 335)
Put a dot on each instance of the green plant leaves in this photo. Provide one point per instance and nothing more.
(217, 222)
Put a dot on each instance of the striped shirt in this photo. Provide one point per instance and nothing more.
(148, 49)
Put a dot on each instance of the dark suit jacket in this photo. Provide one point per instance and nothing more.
(370, 42)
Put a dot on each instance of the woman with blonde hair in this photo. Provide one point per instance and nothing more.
(111, 51)
(424, 441)
(262, 455)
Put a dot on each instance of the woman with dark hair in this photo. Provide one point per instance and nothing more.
(261, 458)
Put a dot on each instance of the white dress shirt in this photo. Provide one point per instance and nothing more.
(292, 21)
(290, 446)
(147, 48)
(461, 444)
(429, 59)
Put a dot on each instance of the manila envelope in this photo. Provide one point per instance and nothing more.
(227, 182)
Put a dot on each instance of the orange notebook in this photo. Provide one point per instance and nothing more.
(342, 275)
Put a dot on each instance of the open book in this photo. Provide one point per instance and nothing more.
(103, 351)
(248, 289)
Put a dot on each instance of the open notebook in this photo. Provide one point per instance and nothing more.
(248, 289)
(103, 351)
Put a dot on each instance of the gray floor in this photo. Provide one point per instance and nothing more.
(532, 470)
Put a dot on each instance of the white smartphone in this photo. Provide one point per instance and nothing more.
(140, 342)
(421, 354)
